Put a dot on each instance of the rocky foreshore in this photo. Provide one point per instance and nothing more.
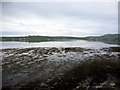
(53, 68)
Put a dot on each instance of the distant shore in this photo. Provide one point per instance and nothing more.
(72, 68)
(107, 38)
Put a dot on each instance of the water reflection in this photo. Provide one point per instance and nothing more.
(75, 43)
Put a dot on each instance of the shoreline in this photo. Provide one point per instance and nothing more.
(44, 66)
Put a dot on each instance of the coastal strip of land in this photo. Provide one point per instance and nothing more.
(107, 38)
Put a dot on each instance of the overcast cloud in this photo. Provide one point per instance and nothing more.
(59, 19)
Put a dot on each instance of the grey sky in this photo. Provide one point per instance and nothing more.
(59, 19)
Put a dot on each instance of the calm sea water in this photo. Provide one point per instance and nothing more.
(75, 43)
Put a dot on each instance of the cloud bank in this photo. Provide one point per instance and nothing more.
(59, 19)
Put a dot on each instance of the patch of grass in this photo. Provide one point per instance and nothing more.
(74, 49)
(114, 49)
(97, 70)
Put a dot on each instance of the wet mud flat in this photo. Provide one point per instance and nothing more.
(53, 68)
